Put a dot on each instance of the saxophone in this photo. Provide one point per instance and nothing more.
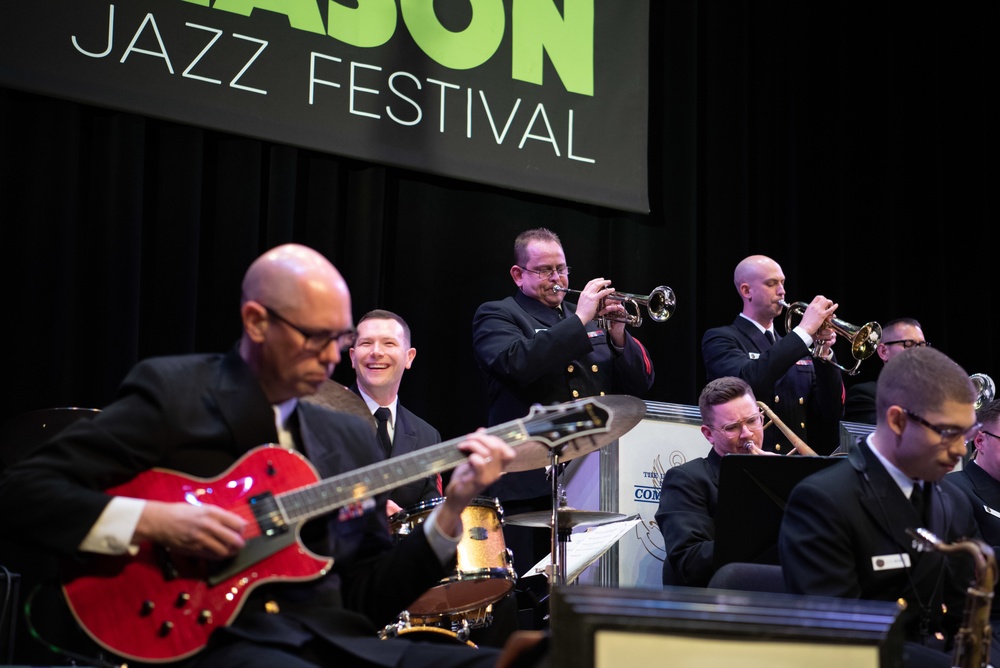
(972, 642)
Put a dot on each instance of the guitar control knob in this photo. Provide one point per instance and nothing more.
(205, 617)
(147, 608)
(182, 599)
(166, 628)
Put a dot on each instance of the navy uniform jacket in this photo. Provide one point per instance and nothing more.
(860, 403)
(843, 534)
(529, 355)
(807, 397)
(686, 517)
(412, 433)
(198, 414)
(983, 491)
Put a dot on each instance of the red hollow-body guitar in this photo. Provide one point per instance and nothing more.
(159, 606)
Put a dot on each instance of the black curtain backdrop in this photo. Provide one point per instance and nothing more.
(854, 143)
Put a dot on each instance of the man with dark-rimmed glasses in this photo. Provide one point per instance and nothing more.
(534, 347)
(897, 336)
(844, 530)
(980, 480)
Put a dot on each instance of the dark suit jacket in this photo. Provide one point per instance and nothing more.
(412, 433)
(686, 517)
(530, 356)
(843, 532)
(807, 397)
(197, 415)
(860, 403)
(983, 492)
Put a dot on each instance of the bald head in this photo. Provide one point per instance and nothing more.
(282, 276)
(293, 297)
(752, 268)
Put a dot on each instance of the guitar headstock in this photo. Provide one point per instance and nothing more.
(556, 424)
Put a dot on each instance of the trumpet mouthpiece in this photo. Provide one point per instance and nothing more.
(748, 446)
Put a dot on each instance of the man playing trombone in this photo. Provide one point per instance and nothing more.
(534, 347)
(808, 397)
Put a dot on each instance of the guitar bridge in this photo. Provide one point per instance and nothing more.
(270, 521)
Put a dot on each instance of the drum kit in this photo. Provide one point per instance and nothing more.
(462, 602)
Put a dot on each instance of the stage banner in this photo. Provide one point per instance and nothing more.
(543, 96)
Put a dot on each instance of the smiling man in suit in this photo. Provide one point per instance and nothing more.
(380, 355)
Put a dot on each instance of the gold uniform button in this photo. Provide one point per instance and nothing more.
(777, 398)
(802, 424)
(569, 369)
(271, 608)
(602, 393)
(777, 447)
(576, 394)
(594, 368)
(901, 602)
(801, 401)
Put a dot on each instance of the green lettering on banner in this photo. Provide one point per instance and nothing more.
(302, 14)
(461, 50)
(568, 39)
(372, 23)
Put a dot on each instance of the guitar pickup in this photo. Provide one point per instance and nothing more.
(270, 521)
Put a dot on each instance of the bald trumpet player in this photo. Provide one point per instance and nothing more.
(808, 397)
(733, 422)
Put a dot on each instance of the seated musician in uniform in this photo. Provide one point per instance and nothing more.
(201, 414)
(843, 532)
(980, 480)
(733, 424)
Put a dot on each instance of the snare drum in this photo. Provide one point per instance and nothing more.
(485, 571)
(436, 634)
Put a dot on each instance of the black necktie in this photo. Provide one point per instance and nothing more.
(770, 336)
(919, 502)
(382, 415)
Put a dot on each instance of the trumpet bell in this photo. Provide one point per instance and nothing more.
(864, 339)
(985, 389)
(661, 303)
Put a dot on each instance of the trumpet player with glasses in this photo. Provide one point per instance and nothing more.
(795, 374)
(898, 336)
(534, 346)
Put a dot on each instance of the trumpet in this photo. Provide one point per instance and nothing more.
(798, 445)
(660, 303)
(985, 389)
(864, 339)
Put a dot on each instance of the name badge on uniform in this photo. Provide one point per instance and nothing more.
(754, 356)
(890, 562)
(994, 513)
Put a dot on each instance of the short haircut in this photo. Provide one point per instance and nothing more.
(721, 391)
(989, 413)
(526, 237)
(893, 324)
(382, 314)
(921, 380)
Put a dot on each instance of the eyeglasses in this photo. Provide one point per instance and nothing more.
(316, 342)
(754, 422)
(908, 343)
(990, 433)
(947, 433)
(548, 272)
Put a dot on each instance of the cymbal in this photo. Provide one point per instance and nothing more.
(337, 397)
(624, 412)
(568, 518)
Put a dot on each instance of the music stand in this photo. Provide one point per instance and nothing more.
(753, 490)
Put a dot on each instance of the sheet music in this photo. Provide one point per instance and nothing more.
(586, 547)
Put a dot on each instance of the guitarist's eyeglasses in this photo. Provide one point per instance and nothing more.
(316, 342)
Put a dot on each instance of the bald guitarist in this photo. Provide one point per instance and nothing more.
(201, 414)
